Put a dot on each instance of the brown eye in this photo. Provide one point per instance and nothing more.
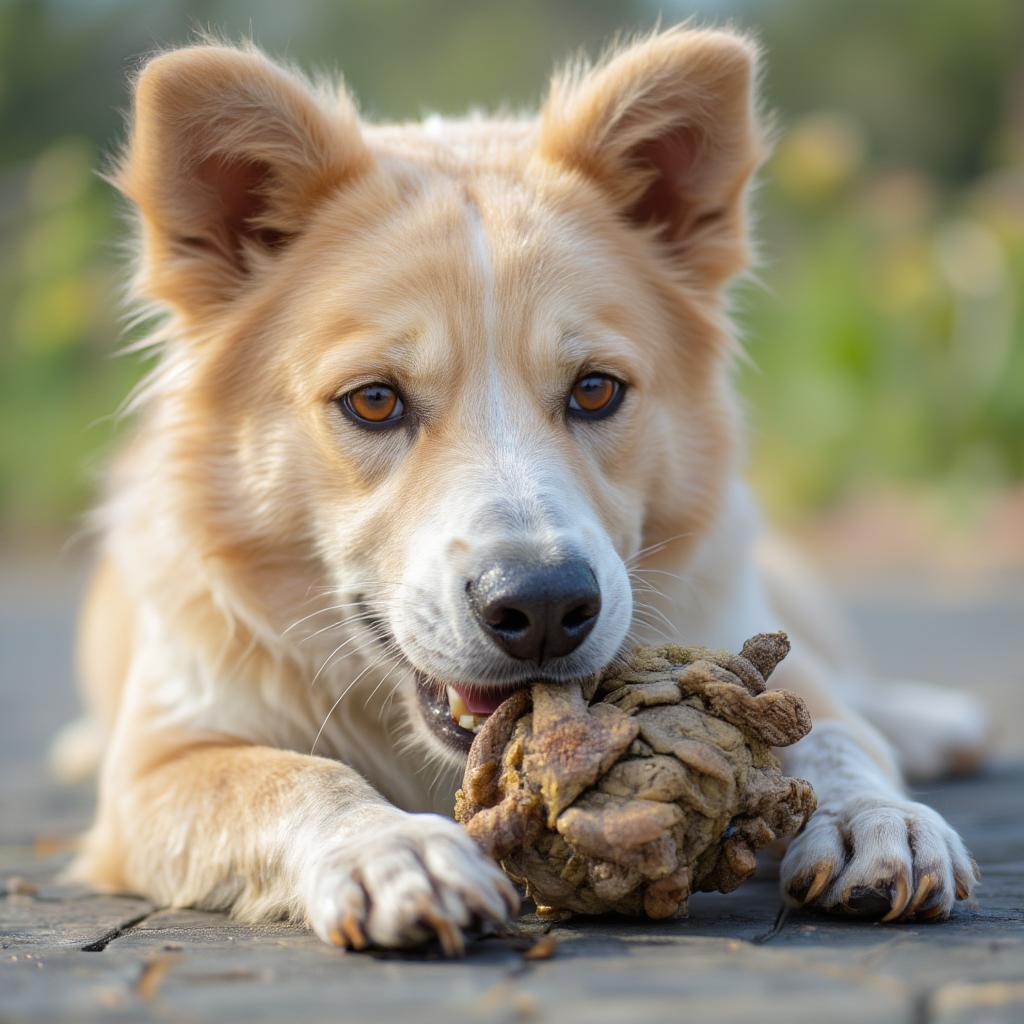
(375, 405)
(595, 396)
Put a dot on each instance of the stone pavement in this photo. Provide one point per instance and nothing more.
(68, 954)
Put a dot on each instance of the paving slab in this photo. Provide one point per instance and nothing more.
(68, 954)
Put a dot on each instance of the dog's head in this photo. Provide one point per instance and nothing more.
(459, 373)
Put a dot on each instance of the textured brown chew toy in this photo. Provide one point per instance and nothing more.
(653, 781)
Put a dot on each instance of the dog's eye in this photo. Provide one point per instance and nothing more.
(595, 396)
(374, 405)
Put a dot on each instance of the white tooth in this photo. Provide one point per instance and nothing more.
(469, 722)
(456, 703)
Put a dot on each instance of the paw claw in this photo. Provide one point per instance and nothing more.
(935, 913)
(448, 933)
(353, 933)
(820, 881)
(924, 887)
(900, 899)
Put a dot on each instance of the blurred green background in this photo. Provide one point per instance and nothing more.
(885, 323)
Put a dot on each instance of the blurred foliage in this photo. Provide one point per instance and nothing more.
(885, 328)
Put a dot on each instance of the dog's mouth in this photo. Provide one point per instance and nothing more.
(456, 712)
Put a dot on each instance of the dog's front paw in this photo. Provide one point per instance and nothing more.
(880, 858)
(935, 731)
(398, 885)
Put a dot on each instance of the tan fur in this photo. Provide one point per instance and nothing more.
(298, 253)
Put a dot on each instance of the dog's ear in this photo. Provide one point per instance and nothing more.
(228, 157)
(667, 128)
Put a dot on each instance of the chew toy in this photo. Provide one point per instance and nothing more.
(653, 780)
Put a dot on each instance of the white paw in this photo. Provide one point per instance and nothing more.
(936, 731)
(402, 883)
(881, 858)
(77, 750)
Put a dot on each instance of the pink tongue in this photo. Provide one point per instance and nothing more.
(481, 702)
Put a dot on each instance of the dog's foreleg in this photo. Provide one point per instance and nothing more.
(273, 833)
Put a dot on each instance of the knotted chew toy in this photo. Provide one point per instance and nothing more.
(654, 780)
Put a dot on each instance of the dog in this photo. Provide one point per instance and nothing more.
(441, 409)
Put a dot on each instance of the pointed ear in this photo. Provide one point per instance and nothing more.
(229, 155)
(667, 129)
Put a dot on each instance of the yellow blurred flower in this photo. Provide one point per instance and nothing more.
(818, 155)
(61, 174)
(998, 199)
(902, 276)
(57, 243)
(970, 258)
(51, 316)
(898, 202)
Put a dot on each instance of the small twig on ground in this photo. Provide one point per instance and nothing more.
(776, 929)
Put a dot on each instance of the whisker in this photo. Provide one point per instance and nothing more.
(368, 642)
(374, 585)
(688, 582)
(332, 654)
(344, 693)
(340, 623)
(386, 703)
(655, 629)
(320, 611)
(655, 611)
(380, 682)
(390, 650)
(648, 586)
(660, 572)
(377, 586)
(654, 591)
(658, 546)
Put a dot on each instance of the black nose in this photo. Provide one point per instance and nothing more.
(537, 612)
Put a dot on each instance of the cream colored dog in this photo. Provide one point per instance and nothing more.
(440, 409)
